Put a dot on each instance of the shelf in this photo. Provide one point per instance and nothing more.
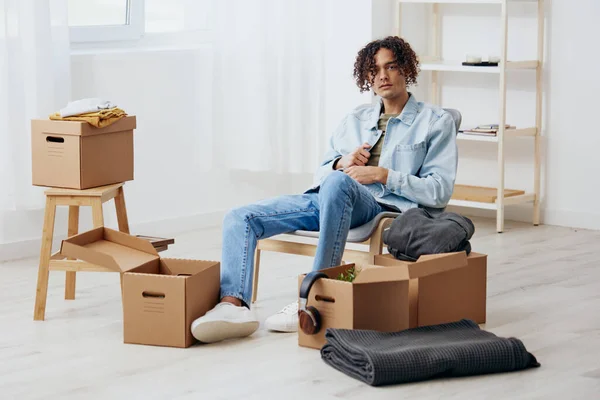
(525, 198)
(509, 133)
(481, 194)
(466, 1)
(472, 204)
(486, 197)
(456, 66)
(477, 138)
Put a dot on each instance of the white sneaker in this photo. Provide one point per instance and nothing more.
(286, 320)
(225, 321)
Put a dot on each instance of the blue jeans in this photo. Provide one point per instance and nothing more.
(338, 205)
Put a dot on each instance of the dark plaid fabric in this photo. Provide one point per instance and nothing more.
(455, 349)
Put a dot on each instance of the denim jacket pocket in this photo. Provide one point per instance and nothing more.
(409, 157)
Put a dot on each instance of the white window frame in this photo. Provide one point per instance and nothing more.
(132, 30)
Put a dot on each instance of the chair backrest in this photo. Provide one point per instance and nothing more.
(456, 116)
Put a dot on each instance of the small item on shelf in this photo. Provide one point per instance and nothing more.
(488, 130)
(476, 61)
(480, 64)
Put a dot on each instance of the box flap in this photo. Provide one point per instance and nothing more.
(436, 263)
(388, 260)
(373, 274)
(333, 272)
(109, 248)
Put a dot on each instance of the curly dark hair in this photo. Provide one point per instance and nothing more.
(365, 69)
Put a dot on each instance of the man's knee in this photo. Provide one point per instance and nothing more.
(338, 183)
(235, 217)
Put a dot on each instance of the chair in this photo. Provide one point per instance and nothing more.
(368, 234)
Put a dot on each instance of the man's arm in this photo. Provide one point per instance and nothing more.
(435, 183)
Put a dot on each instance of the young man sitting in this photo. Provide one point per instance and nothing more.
(393, 155)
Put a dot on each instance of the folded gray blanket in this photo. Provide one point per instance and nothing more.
(455, 349)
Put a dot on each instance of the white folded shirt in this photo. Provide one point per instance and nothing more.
(85, 106)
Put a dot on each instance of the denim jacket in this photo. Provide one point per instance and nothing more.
(419, 150)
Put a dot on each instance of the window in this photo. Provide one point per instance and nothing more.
(105, 20)
(110, 20)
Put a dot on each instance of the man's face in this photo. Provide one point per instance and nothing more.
(388, 82)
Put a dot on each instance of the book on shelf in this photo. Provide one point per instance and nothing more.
(485, 130)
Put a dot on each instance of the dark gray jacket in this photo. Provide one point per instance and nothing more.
(417, 232)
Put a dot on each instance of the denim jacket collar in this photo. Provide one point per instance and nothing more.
(408, 115)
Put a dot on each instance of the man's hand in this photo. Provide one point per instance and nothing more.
(367, 175)
(359, 157)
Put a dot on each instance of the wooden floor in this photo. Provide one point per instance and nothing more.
(543, 287)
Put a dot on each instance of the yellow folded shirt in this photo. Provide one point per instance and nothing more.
(99, 119)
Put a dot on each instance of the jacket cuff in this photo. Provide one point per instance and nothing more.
(335, 160)
(395, 181)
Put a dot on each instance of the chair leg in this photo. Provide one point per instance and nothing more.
(121, 211)
(70, 280)
(376, 242)
(255, 274)
(41, 293)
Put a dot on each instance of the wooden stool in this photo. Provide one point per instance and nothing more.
(73, 198)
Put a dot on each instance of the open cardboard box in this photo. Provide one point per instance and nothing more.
(380, 298)
(161, 296)
(444, 294)
(76, 155)
(393, 299)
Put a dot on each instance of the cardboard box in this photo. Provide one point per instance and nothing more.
(448, 294)
(380, 298)
(161, 296)
(391, 299)
(76, 155)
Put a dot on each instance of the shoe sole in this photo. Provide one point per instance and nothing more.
(216, 331)
(283, 330)
(279, 329)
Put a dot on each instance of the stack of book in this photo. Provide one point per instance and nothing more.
(485, 130)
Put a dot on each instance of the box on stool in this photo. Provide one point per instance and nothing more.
(161, 296)
(76, 155)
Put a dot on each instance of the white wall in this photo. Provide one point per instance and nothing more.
(176, 186)
(571, 84)
(176, 189)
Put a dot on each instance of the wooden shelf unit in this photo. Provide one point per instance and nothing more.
(463, 195)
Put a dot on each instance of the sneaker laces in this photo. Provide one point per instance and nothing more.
(290, 309)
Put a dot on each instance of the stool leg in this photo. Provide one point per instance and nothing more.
(255, 274)
(121, 211)
(41, 293)
(121, 218)
(73, 230)
(97, 215)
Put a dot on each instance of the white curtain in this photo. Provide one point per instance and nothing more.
(268, 87)
(34, 81)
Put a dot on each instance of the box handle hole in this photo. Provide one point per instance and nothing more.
(54, 139)
(325, 298)
(184, 274)
(153, 295)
